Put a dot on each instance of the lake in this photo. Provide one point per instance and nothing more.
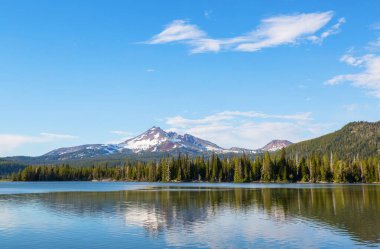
(188, 215)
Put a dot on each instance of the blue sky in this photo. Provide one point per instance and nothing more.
(238, 73)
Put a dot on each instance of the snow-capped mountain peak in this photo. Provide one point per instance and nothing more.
(156, 139)
(155, 136)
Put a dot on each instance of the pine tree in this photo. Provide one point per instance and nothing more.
(267, 168)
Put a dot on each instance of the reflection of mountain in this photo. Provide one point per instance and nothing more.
(148, 218)
(351, 209)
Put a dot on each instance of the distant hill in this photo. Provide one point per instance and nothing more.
(354, 139)
(8, 167)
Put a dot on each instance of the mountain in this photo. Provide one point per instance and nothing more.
(354, 139)
(275, 145)
(154, 140)
(157, 140)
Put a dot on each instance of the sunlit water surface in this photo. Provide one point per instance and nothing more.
(190, 215)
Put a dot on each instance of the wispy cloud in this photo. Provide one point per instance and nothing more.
(248, 129)
(272, 32)
(10, 142)
(47, 137)
(178, 30)
(368, 78)
(335, 29)
(367, 65)
(180, 121)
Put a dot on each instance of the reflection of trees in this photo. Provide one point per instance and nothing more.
(354, 209)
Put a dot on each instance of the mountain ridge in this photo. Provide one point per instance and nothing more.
(154, 140)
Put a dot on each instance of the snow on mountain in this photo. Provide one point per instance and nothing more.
(275, 145)
(148, 140)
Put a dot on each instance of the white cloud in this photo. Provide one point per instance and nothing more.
(273, 31)
(205, 45)
(247, 129)
(178, 30)
(367, 66)
(285, 30)
(10, 142)
(353, 61)
(368, 78)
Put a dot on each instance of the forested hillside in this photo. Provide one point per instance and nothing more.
(9, 167)
(356, 139)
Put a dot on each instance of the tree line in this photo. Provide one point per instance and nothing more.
(242, 168)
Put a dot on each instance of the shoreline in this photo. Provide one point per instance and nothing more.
(194, 182)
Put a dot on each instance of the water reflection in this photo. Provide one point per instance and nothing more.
(184, 215)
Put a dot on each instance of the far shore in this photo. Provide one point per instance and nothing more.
(253, 182)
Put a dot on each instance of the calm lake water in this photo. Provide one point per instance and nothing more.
(156, 215)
